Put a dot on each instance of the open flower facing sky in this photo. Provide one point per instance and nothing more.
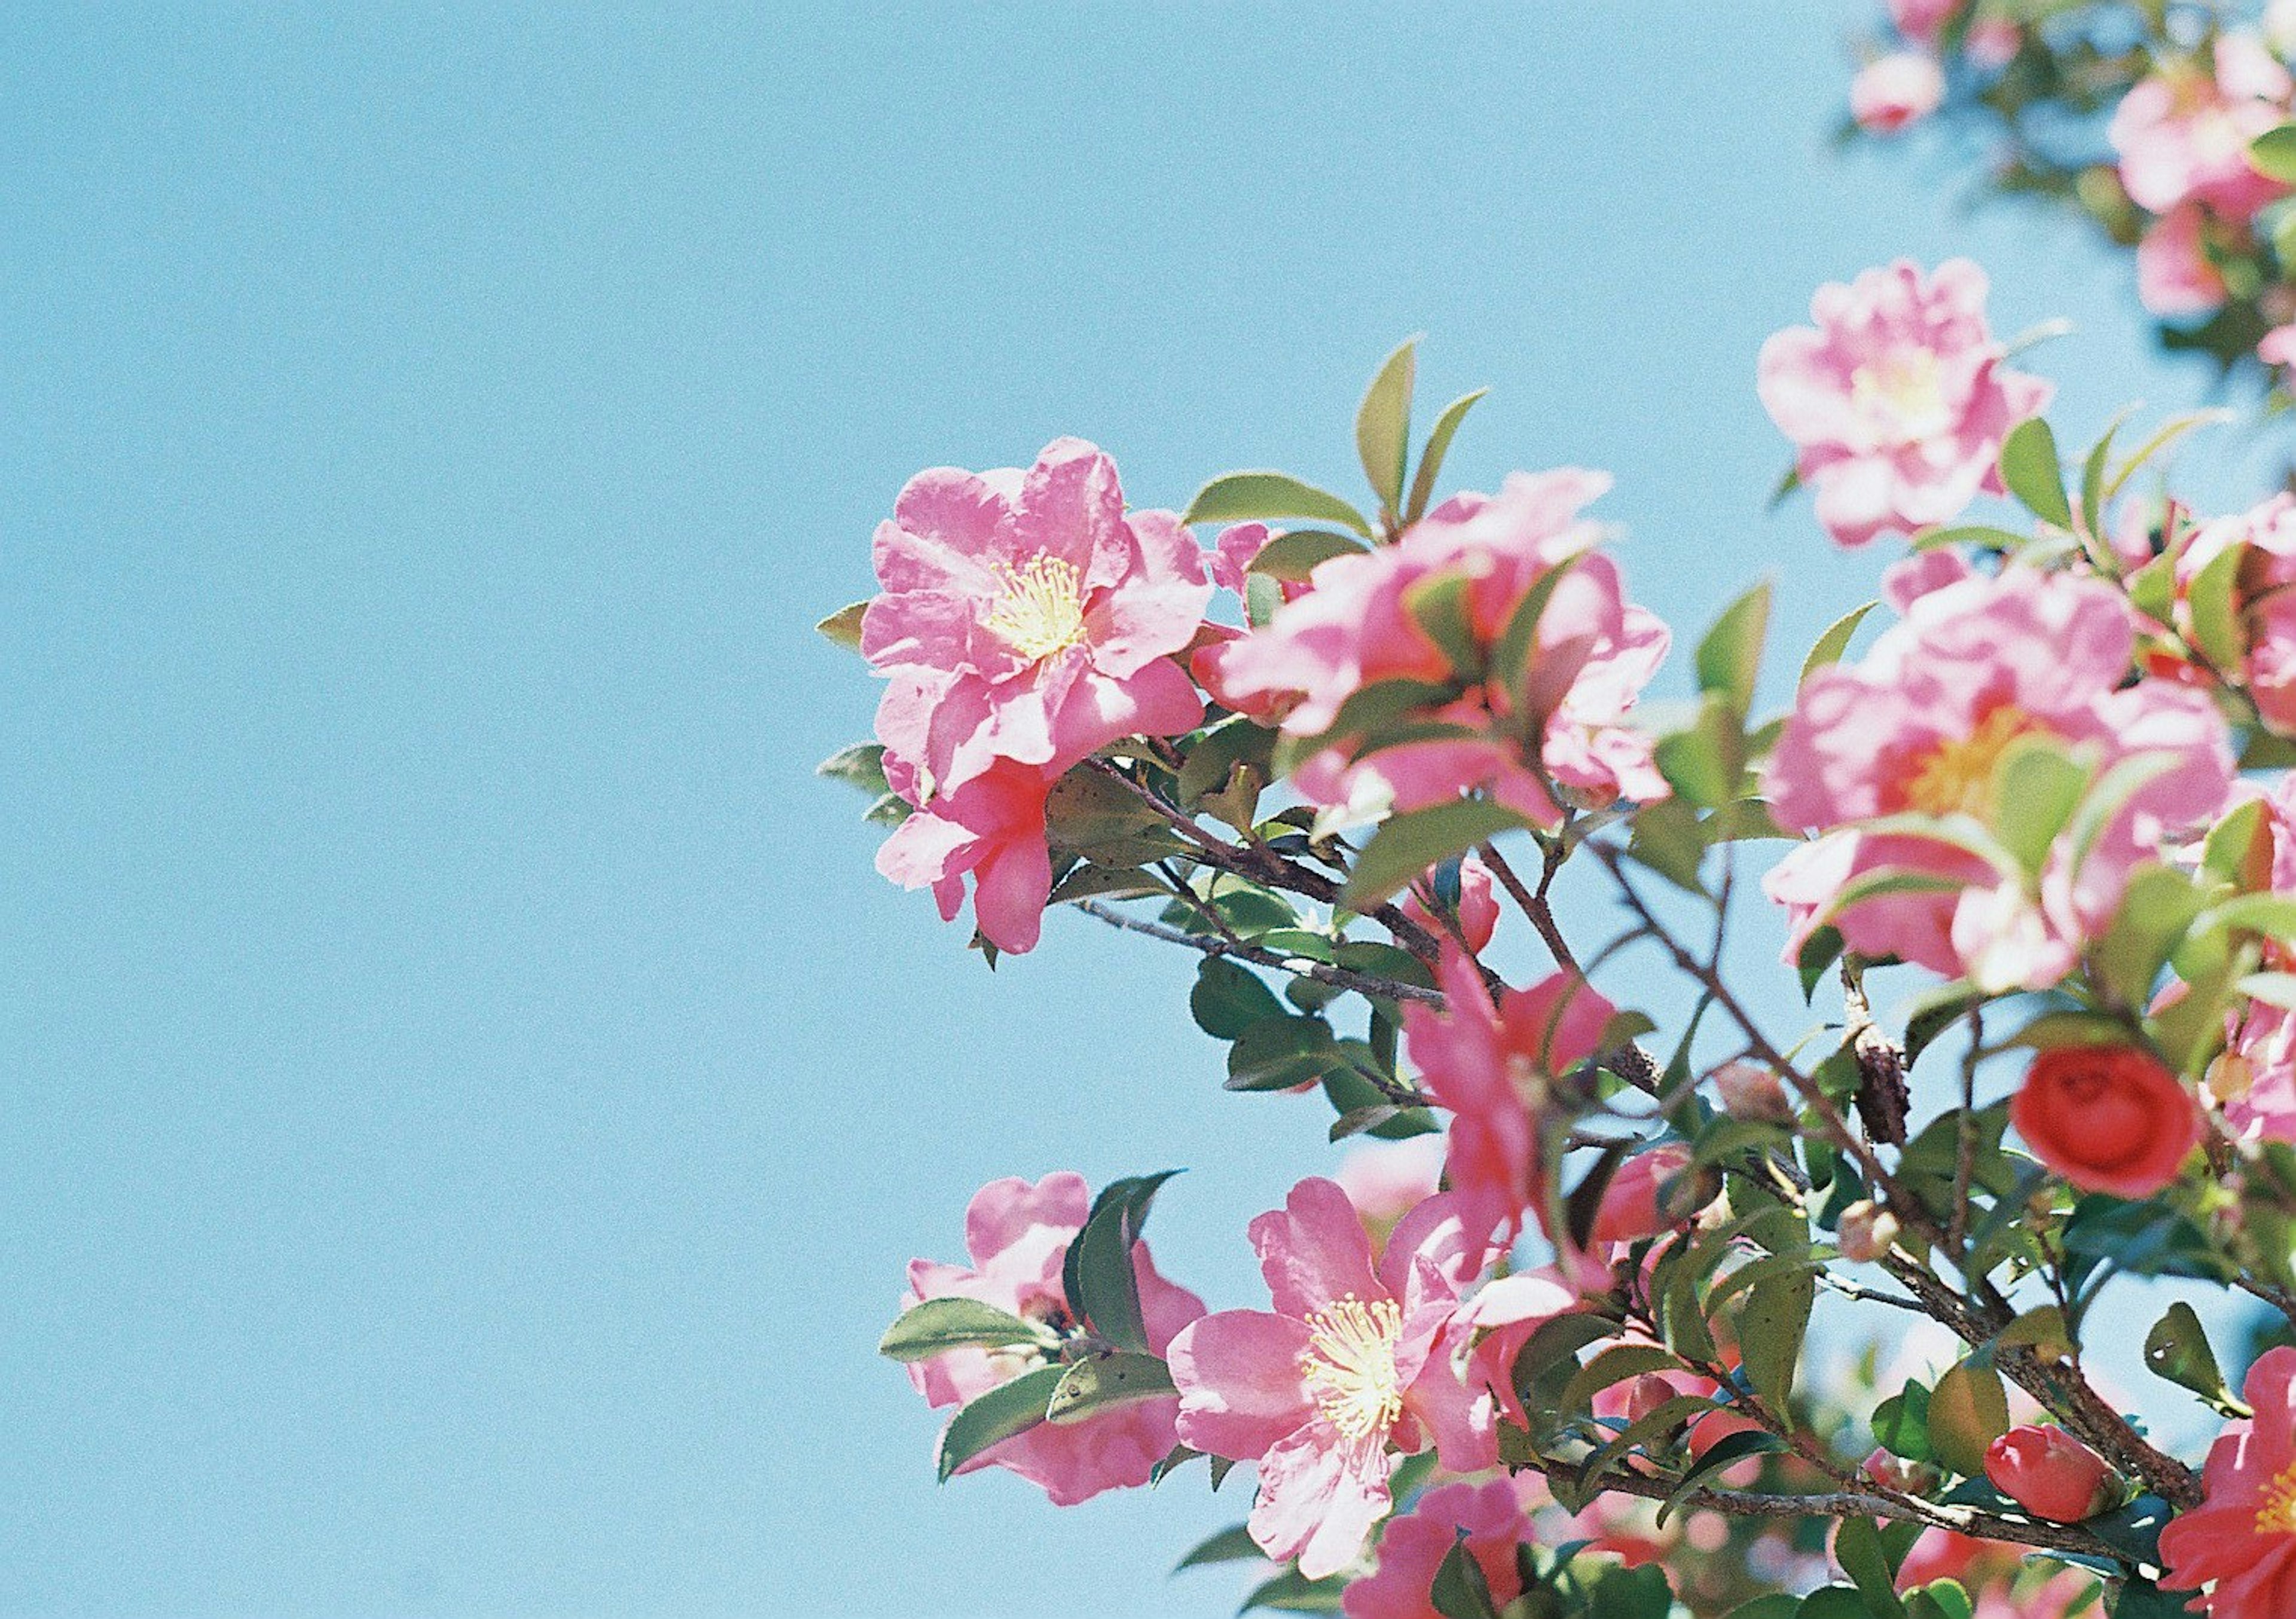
(1017, 1235)
(1353, 1360)
(1897, 400)
(2243, 1535)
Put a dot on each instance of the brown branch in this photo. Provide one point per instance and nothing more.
(1534, 904)
(1339, 977)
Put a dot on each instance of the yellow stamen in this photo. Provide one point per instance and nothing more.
(1901, 396)
(1041, 609)
(1349, 1366)
(1958, 775)
(2276, 1508)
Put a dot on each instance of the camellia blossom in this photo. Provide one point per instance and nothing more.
(1486, 1517)
(1635, 1203)
(2277, 347)
(1921, 20)
(2175, 275)
(1897, 400)
(2243, 1535)
(1592, 655)
(2183, 133)
(1491, 1065)
(1036, 619)
(1018, 1236)
(1387, 1179)
(1921, 725)
(2267, 535)
(2108, 1118)
(2049, 1473)
(1478, 910)
(1892, 92)
(1353, 1359)
(992, 829)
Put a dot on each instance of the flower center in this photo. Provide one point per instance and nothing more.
(2276, 1508)
(1901, 396)
(1349, 1365)
(1958, 777)
(1040, 609)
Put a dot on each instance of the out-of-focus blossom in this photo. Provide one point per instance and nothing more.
(1478, 910)
(1897, 90)
(2183, 133)
(1897, 399)
(1387, 1179)
(2175, 275)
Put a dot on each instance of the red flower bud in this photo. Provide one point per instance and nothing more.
(2109, 1118)
(2050, 1473)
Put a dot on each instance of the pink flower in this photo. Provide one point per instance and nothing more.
(1387, 1179)
(2267, 532)
(1018, 1235)
(1632, 1206)
(1352, 1361)
(2183, 134)
(2277, 347)
(2109, 1118)
(1478, 912)
(1921, 20)
(1897, 399)
(1920, 726)
(2256, 1079)
(2243, 1535)
(1034, 619)
(1992, 43)
(2174, 273)
(1502, 1316)
(1593, 654)
(1891, 91)
(1413, 1548)
(2050, 1473)
(1492, 1067)
(992, 827)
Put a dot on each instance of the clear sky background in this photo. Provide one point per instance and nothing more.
(465, 1098)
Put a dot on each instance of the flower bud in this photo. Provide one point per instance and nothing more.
(1646, 1393)
(2050, 1473)
(1896, 1473)
(1865, 1231)
(1751, 1092)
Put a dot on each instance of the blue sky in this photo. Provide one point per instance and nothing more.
(465, 1098)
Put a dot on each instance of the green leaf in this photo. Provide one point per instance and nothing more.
(2036, 788)
(861, 765)
(1703, 764)
(1938, 1599)
(1246, 496)
(2140, 1599)
(1384, 424)
(939, 1325)
(2177, 1349)
(1229, 998)
(1835, 1602)
(1105, 1382)
(1405, 845)
(2238, 850)
(2273, 153)
(1294, 556)
(2156, 909)
(1731, 653)
(1834, 642)
(1614, 1365)
(2033, 473)
(1631, 1593)
(1431, 458)
(1969, 1410)
(1293, 1593)
(1770, 1331)
(2214, 599)
(1007, 1409)
(1981, 534)
(1777, 1605)
(1857, 1548)
(1460, 1591)
(1440, 606)
(1724, 1454)
(1231, 1545)
(1277, 1053)
(1901, 1424)
(843, 626)
(1098, 1273)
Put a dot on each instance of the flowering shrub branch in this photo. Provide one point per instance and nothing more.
(1539, 1350)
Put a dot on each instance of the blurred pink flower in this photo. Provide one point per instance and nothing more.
(1017, 1236)
(1895, 399)
(1920, 724)
(2243, 1535)
(1891, 91)
(2183, 134)
(2277, 347)
(1479, 906)
(1034, 618)
(2268, 603)
(1352, 1360)
(1413, 1548)
(1491, 1067)
(1387, 1179)
(1920, 21)
(1631, 1207)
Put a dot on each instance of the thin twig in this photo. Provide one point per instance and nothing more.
(1534, 904)
(1339, 977)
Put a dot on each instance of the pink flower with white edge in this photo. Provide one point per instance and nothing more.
(1477, 912)
(2240, 1540)
(1897, 399)
(1919, 727)
(1492, 1068)
(1042, 616)
(2175, 275)
(1018, 1236)
(1355, 1365)
(1895, 91)
(1592, 655)
(2267, 533)
(2277, 347)
(1411, 1550)
(992, 827)
(2183, 133)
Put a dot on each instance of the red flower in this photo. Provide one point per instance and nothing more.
(2108, 1118)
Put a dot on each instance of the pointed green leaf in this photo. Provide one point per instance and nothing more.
(1731, 653)
(2273, 153)
(1431, 458)
(843, 626)
(1007, 1410)
(1770, 1331)
(1405, 845)
(1231, 1545)
(1834, 642)
(1294, 555)
(861, 765)
(1105, 1382)
(1384, 424)
(2032, 473)
(939, 1325)
(1259, 496)
(2177, 1349)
